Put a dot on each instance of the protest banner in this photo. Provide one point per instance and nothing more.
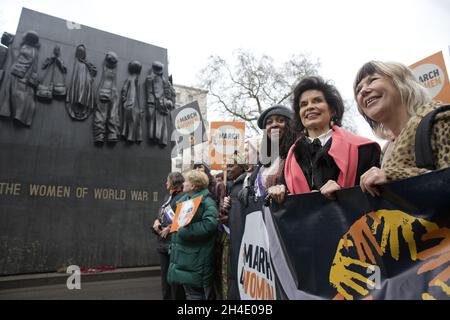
(185, 212)
(188, 126)
(396, 246)
(226, 140)
(432, 74)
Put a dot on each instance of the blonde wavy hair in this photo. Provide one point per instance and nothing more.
(198, 179)
(412, 94)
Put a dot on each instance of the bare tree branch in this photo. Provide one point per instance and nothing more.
(234, 113)
(253, 83)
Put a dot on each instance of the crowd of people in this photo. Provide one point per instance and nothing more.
(312, 153)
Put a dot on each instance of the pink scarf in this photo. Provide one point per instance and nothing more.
(343, 150)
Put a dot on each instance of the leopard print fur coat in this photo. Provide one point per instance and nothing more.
(401, 162)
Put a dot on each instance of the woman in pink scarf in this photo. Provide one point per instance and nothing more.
(325, 157)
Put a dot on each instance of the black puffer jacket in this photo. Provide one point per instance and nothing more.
(163, 244)
(236, 225)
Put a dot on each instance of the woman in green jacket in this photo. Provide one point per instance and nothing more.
(192, 246)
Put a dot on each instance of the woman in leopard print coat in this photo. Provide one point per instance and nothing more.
(393, 103)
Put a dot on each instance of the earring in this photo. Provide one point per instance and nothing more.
(332, 122)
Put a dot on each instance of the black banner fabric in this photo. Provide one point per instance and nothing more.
(396, 246)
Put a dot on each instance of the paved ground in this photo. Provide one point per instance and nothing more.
(144, 288)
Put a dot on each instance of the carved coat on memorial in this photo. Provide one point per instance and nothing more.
(52, 84)
(65, 199)
(106, 116)
(169, 94)
(17, 100)
(7, 40)
(80, 95)
(158, 105)
(132, 114)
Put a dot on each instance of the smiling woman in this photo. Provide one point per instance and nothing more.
(393, 103)
(375, 94)
(315, 114)
(325, 157)
(278, 133)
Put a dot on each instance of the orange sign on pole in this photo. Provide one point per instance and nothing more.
(225, 139)
(432, 74)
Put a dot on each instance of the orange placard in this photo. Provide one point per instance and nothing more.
(184, 213)
(432, 74)
(225, 139)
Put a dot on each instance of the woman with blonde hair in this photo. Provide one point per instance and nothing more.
(192, 246)
(393, 103)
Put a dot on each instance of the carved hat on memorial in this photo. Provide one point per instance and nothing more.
(111, 59)
(157, 67)
(135, 67)
(7, 39)
(80, 52)
(31, 38)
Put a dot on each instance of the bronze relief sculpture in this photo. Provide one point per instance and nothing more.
(7, 40)
(131, 112)
(18, 99)
(160, 100)
(52, 84)
(80, 96)
(106, 116)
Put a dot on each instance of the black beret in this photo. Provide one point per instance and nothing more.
(278, 110)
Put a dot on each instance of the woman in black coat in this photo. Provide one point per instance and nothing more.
(161, 227)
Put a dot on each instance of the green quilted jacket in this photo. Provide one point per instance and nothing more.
(191, 249)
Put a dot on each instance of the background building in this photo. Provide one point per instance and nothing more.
(187, 95)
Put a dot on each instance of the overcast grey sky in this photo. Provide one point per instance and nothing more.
(342, 34)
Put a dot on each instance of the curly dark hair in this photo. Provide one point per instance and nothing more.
(331, 94)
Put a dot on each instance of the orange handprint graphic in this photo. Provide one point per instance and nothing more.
(442, 251)
(359, 231)
(394, 221)
(387, 226)
(341, 275)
